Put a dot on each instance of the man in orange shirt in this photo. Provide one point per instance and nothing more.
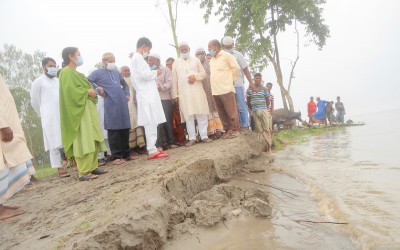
(311, 108)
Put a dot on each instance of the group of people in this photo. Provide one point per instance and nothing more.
(322, 112)
(121, 112)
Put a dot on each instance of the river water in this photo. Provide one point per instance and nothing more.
(350, 176)
(353, 176)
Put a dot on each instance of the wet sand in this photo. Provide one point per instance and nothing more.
(139, 205)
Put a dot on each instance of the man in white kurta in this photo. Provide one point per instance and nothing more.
(187, 88)
(45, 101)
(15, 158)
(150, 110)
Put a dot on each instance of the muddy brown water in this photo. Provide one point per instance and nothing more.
(349, 176)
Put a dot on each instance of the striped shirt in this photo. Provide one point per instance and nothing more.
(257, 99)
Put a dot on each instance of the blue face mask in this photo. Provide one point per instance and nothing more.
(185, 55)
(80, 61)
(52, 71)
(229, 51)
(154, 67)
(212, 52)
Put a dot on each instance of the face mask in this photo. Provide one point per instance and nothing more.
(154, 67)
(52, 71)
(212, 52)
(145, 54)
(201, 57)
(79, 62)
(111, 66)
(229, 51)
(185, 55)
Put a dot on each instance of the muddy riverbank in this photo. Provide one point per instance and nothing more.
(142, 204)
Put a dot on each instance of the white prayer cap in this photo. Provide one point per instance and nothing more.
(200, 49)
(183, 44)
(227, 40)
(155, 55)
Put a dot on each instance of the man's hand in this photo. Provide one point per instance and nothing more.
(158, 87)
(191, 79)
(101, 91)
(7, 134)
(127, 98)
(175, 100)
(92, 93)
(159, 71)
(252, 86)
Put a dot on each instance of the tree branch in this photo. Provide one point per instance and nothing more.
(297, 57)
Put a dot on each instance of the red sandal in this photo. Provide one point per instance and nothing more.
(158, 155)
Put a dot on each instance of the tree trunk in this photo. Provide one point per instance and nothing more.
(276, 62)
(172, 21)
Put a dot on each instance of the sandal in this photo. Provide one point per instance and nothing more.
(225, 136)
(233, 134)
(88, 177)
(63, 175)
(207, 140)
(132, 157)
(190, 143)
(118, 161)
(99, 171)
(102, 162)
(158, 155)
(172, 146)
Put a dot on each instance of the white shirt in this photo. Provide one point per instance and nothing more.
(45, 101)
(150, 110)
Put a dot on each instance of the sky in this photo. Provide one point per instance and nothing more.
(358, 63)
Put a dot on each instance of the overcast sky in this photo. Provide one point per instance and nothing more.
(359, 62)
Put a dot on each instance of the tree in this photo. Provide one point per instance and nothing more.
(172, 19)
(256, 24)
(19, 70)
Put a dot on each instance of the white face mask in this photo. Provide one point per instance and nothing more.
(110, 66)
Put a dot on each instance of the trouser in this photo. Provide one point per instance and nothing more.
(227, 110)
(88, 162)
(101, 154)
(151, 138)
(55, 158)
(119, 143)
(167, 126)
(243, 113)
(202, 122)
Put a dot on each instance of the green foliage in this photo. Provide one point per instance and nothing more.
(19, 70)
(255, 22)
(298, 135)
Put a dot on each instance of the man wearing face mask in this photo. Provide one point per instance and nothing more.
(150, 110)
(45, 101)
(215, 127)
(243, 113)
(164, 85)
(111, 85)
(224, 71)
(187, 89)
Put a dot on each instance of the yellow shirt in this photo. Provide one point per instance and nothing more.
(224, 71)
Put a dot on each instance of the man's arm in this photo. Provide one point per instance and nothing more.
(234, 66)
(201, 72)
(36, 96)
(174, 92)
(166, 85)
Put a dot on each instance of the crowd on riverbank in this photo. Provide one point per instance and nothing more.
(123, 112)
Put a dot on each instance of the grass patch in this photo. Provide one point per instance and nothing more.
(298, 135)
(45, 171)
